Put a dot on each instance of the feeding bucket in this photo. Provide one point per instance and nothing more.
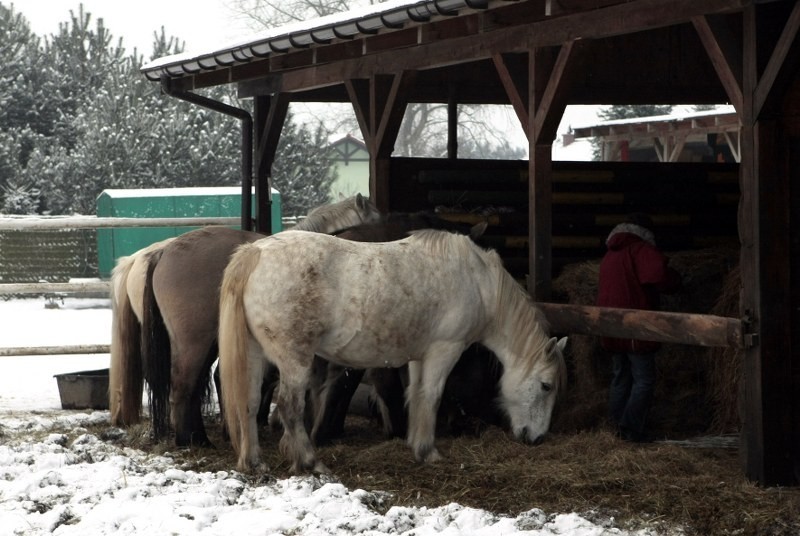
(83, 390)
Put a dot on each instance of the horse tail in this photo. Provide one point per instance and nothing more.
(125, 381)
(233, 350)
(156, 354)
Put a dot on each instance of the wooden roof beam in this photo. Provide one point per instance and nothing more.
(723, 51)
(786, 47)
(597, 24)
(516, 89)
(553, 102)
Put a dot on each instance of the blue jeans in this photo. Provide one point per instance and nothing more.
(631, 392)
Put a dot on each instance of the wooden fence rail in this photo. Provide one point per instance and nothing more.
(56, 350)
(701, 330)
(78, 287)
(28, 223)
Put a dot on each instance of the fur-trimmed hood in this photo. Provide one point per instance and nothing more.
(619, 236)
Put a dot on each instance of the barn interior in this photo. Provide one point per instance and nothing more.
(729, 225)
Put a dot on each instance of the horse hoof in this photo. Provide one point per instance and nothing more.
(434, 457)
(321, 469)
(428, 455)
(253, 467)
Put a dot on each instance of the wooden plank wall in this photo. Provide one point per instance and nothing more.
(694, 205)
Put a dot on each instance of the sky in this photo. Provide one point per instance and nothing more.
(58, 478)
(197, 22)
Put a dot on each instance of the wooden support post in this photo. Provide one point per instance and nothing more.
(548, 79)
(379, 104)
(766, 215)
(270, 114)
(452, 124)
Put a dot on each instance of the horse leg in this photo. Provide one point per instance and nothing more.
(341, 392)
(426, 384)
(250, 451)
(189, 377)
(295, 443)
(387, 385)
(331, 400)
(267, 389)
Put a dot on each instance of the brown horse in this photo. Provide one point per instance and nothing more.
(179, 317)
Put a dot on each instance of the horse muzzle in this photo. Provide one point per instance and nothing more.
(524, 435)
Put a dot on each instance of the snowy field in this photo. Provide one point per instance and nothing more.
(58, 478)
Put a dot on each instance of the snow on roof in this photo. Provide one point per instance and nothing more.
(174, 192)
(390, 15)
(678, 114)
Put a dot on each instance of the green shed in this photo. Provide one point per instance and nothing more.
(224, 201)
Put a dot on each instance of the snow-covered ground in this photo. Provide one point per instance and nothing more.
(58, 478)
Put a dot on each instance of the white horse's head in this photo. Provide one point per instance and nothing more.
(529, 398)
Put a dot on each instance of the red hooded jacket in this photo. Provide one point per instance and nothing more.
(632, 274)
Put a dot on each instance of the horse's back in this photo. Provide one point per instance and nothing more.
(189, 273)
(194, 261)
(349, 299)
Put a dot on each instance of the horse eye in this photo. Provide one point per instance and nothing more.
(546, 387)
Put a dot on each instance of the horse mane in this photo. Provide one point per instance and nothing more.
(334, 216)
(527, 329)
(443, 243)
(527, 325)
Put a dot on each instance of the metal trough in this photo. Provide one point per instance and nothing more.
(87, 389)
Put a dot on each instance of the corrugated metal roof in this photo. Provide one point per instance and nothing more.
(388, 16)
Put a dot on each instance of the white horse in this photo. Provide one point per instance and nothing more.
(421, 301)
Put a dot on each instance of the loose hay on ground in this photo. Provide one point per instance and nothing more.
(656, 485)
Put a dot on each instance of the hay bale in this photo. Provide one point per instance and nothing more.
(684, 399)
(725, 364)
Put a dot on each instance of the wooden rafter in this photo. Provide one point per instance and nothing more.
(515, 89)
(719, 50)
(786, 42)
(271, 132)
(553, 100)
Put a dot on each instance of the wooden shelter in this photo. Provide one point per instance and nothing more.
(539, 56)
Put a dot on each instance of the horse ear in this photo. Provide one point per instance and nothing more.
(341, 196)
(478, 229)
(360, 203)
(555, 342)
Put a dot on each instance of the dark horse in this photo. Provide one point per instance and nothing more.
(179, 302)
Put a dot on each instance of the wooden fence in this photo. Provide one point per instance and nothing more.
(702, 330)
(44, 223)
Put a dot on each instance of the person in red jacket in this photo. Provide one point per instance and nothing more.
(633, 273)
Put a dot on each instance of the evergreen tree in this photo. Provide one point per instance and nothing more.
(77, 117)
(629, 111)
(23, 95)
(302, 173)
